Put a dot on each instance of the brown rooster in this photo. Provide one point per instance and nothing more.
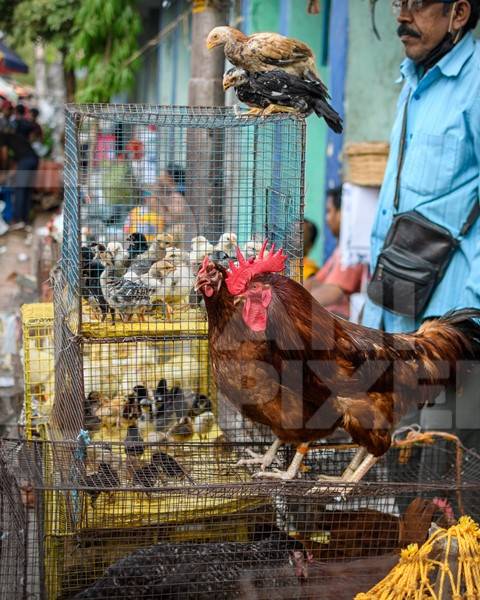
(286, 362)
(264, 52)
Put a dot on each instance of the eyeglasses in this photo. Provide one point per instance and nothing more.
(412, 5)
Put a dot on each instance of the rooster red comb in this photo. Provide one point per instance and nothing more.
(239, 277)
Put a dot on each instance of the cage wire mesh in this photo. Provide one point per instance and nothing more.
(39, 360)
(151, 190)
(120, 524)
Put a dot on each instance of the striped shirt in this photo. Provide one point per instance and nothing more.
(440, 175)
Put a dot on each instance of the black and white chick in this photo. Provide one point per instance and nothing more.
(275, 90)
(125, 296)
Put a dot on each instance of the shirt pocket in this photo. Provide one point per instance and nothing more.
(430, 164)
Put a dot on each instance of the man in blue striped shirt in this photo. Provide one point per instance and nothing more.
(440, 176)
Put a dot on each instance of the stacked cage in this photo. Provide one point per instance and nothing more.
(38, 359)
(106, 534)
(149, 193)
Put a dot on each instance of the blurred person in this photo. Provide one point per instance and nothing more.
(26, 165)
(21, 124)
(37, 131)
(180, 220)
(333, 284)
(148, 218)
(310, 234)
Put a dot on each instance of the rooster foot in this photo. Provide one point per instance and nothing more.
(273, 109)
(264, 460)
(275, 474)
(253, 112)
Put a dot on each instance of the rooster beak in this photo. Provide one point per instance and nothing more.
(227, 84)
(210, 44)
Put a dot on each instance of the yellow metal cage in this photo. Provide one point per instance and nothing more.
(39, 364)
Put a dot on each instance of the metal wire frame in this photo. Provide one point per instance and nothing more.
(231, 175)
(92, 533)
(113, 368)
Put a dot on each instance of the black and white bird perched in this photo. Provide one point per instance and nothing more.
(268, 90)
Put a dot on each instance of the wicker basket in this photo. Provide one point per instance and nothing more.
(366, 163)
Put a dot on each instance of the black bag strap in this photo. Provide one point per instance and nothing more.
(401, 153)
(474, 213)
(472, 217)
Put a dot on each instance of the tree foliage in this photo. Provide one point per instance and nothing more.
(107, 37)
(98, 36)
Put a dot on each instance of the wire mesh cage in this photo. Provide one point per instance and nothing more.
(151, 190)
(171, 522)
(150, 387)
(13, 536)
(38, 355)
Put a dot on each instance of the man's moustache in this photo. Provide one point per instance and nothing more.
(405, 30)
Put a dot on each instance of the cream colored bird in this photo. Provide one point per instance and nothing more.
(264, 52)
(201, 247)
(176, 256)
(227, 243)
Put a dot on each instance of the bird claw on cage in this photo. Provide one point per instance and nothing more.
(275, 474)
(264, 460)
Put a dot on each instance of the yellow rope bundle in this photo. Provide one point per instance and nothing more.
(447, 566)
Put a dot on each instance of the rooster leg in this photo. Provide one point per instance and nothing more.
(363, 468)
(292, 470)
(348, 477)
(355, 463)
(258, 459)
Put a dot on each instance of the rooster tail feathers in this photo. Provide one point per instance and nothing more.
(467, 322)
(456, 334)
(333, 119)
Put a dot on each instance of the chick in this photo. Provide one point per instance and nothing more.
(202, 424)
(176, 256)
(121, 259)
(200, 404)
(227, 243)
(201, 247)
(181, 430)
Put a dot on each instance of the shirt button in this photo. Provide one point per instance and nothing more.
(384, 211)
(416, 96)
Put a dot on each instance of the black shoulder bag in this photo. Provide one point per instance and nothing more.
(415, 254)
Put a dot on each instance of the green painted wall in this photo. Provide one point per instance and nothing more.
(265, 16)
(373, 68)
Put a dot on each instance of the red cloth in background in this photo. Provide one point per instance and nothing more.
(349, 279)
